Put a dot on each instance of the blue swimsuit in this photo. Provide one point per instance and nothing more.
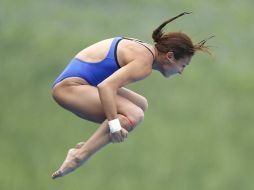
(94, 73)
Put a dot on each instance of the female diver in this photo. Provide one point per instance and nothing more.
(92, 85)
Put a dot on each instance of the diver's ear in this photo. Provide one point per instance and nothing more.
(170, 55)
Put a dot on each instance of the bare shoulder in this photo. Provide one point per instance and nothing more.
(128, 51)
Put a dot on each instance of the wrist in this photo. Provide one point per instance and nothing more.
(114, 125)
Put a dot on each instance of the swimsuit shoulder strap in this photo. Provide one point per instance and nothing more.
(141, 43)
(113, 47)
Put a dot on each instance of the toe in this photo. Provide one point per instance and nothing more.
(80, 144)
(56, 174)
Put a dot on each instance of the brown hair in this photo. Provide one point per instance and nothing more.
(177, 42)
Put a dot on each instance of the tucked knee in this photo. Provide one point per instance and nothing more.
(125, 123)
(130, 121)
(144, 106)
(136, 117)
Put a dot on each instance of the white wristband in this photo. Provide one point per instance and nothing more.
(114, 125)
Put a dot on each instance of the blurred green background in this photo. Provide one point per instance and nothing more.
(198, 132)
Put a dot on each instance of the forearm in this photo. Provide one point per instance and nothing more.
(108, 101)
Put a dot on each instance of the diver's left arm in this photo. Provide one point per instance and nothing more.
(108, 91)
(133, 71)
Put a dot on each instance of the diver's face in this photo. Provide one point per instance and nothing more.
(172, 66)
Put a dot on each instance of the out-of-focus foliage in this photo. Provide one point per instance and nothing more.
(198, 131)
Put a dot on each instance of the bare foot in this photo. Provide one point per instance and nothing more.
(70, 164)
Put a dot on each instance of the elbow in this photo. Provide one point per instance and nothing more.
(101, 86)
(104, 88)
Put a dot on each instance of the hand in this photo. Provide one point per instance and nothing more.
(119, 136)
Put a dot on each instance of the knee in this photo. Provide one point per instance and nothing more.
(144, 105)
(125, 122)
(136, 117)
(129, 122)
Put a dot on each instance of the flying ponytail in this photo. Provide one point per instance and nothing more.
(177, 42)
(200, 46)
(157, 33)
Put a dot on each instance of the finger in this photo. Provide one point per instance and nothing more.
(124, 130)
(124, 133)
(119, 137)
(113, 139)
(116, 140)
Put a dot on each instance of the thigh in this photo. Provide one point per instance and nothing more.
(84, 101)
(134, 97)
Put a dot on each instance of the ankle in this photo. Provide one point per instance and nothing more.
(82, 153)
(77, 159)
